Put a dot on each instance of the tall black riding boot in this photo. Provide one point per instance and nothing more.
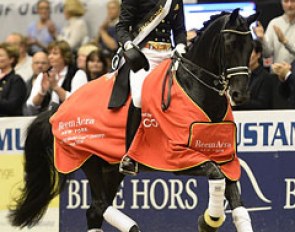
(128, 166)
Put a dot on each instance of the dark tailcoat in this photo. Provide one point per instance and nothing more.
(12, 95)
(132, 17)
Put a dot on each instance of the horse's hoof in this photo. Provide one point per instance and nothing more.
(134, 228)
(204, 227)
(128, 166)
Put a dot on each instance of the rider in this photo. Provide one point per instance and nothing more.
(145, 30)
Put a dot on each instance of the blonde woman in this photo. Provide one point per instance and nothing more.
(82, 54)
(75, 31)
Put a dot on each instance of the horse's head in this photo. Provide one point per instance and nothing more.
(237, 47)
(222, 52)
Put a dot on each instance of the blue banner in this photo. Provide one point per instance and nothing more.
(158, 201)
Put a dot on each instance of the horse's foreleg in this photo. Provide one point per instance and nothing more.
(102, 196)
(214, 216)
(241, 218)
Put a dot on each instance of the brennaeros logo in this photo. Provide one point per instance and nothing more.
(218, 144)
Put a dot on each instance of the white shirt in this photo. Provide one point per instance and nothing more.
(75, 32)
(271, 44)
(78, 80)
(24, 69)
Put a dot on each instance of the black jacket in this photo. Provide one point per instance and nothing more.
(12, 95)
(287, 89)
(133, 12)
(261, 91)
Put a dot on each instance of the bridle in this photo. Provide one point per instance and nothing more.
(219, 80)
(226, 74)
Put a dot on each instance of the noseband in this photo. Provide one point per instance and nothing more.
(227, 73)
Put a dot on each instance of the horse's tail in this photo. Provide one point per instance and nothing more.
(42, 181)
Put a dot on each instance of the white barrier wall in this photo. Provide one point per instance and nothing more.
(265, 146)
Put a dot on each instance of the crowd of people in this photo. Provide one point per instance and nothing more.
(48, 64)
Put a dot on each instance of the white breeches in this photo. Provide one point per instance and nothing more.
(136, 79)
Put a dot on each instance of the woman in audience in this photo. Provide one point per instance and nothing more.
(82, 54)
(59, 82)
(107, 37)
(43, 31)
(75, 32)
(12, 86)
(96, 65)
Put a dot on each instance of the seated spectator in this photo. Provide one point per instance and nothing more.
(40, 64)
(279, 39)
(96, 65)
(83, 52)
(24, 64)
(261, 83)
(60, 82)
(75, 32)
(12, 86)
(42, 32)
(286, 75)
(107, 36)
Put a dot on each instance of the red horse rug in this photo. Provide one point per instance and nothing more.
(176, 139)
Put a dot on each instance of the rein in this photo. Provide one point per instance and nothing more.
(225, 76)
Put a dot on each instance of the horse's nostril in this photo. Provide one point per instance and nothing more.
(235, 95)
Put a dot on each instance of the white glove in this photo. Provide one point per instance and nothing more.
(180, 49)
(128, 45)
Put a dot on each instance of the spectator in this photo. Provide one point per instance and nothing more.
(107, 37)
(42, 32)
(40, 64)
(75, 32)
(286, 75)
(59, 83)
(279, 39)
(83, 52)
(12, 86)
(261, 83)
(96, 65)
(24, 65)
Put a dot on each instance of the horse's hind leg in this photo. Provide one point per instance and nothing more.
(102, 196)
(241, 218)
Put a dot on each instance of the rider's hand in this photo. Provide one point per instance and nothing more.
(180, 49)
(135, 57)
(128, 45)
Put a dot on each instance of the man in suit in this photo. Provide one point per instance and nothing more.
(286, 75)
(260, 85)
(144, 32)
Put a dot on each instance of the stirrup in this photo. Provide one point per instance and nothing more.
(124, 168)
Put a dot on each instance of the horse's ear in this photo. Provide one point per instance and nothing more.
(252, 18)
(234, 15)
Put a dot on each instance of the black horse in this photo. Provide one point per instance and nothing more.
(213, 70)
